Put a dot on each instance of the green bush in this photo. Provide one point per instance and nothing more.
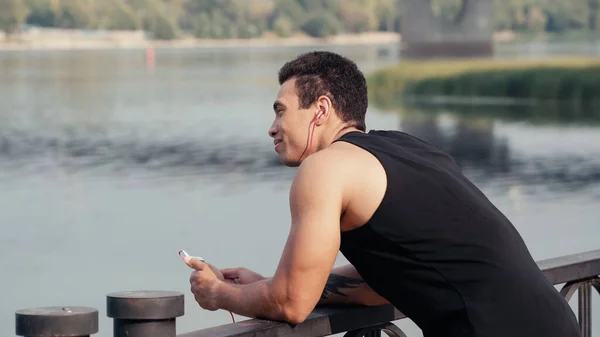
(574, 82)
(248, 30)
(322, 24)
(283, 26)
(202, 26)
(164, 29)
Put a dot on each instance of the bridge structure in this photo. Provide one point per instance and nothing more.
(424, 35)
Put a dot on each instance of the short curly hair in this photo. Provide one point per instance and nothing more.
(320, 73)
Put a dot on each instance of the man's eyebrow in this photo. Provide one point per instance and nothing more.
(278, 104)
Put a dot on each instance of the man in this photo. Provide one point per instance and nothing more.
(417, 233)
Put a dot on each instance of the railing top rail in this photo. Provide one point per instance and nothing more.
(571, 267)
(323, 321)
(326, 321)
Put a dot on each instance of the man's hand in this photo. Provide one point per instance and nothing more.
(241, 276)
(204, 282)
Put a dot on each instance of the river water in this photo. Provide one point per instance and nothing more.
(109, 166)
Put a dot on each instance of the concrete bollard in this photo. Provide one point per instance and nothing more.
(57, 322)
(144, 313)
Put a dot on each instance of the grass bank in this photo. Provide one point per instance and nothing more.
(573, 83)
(544, 114)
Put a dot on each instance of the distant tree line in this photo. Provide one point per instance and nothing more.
(222, 19)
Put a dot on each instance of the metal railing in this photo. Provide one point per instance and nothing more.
(153, 313)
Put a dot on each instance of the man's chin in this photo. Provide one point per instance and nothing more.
(287, 162)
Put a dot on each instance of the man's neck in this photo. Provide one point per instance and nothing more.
(344, 129)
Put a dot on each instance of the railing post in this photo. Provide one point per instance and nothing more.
(144, 313)
(56, 322)
(585, 309)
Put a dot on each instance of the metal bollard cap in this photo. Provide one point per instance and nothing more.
(145, 304)
(56, 321)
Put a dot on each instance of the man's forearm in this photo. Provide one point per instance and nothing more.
(251, 300)
(346, 286)
(256, 300)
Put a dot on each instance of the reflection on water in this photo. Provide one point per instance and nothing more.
(486, 155)
(472, 143)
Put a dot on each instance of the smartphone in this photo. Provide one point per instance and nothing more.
(186, 257)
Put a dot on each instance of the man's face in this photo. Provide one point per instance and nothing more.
(291, 127)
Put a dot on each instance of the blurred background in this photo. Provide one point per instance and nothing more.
(130, 129)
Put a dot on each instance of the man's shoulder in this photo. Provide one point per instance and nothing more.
(341, 161)
(324, 170)
(331, 159)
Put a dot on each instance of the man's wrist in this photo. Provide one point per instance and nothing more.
(221, 292)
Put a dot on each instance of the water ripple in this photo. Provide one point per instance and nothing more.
(19, 149)
(23, 152)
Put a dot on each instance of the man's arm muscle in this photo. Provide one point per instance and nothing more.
(316, 203)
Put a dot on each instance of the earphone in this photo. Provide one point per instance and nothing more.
(318, 115)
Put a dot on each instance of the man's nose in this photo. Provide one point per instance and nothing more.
(273, 130)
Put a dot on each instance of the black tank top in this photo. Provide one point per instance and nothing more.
(443, 255)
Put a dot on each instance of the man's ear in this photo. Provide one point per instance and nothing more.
(325, 108)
